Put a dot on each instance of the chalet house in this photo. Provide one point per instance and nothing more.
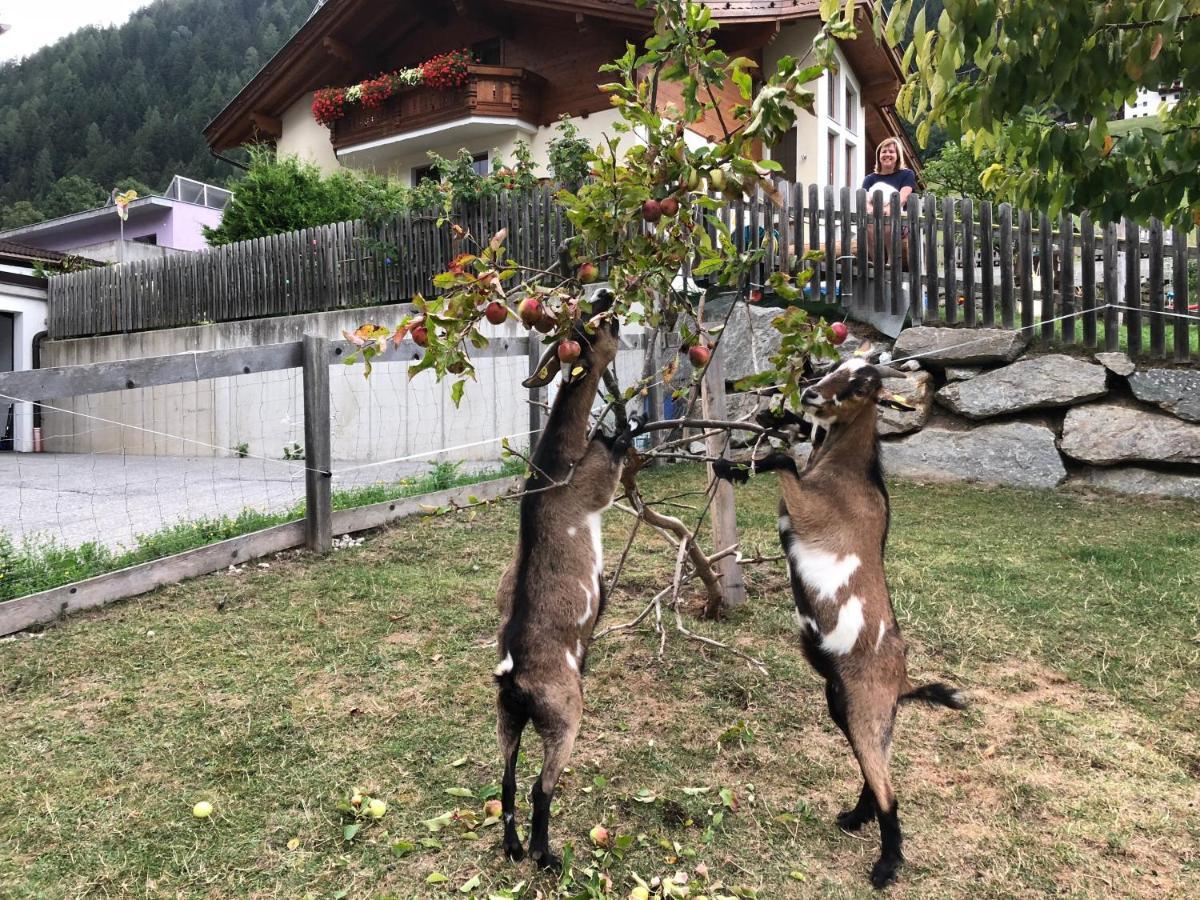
(535, 60)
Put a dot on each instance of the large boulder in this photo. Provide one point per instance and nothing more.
(1175, 390)
(1105, 434)
(960, 346)
(1142, 482)
(1013, 453)
(1036, 383)
(748, 338)
(917, 388)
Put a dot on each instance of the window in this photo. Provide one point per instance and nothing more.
(842, 145)
(784, 153)
(488, 53)
(421, 173)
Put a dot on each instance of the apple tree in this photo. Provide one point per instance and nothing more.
(647, 213)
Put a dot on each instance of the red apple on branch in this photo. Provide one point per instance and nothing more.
(669, 206)
(838, 332)
(652, 210)
(568, 351)
(588, 273)
(530, 311)
(419, 334)
(496, 312)
(699, 356)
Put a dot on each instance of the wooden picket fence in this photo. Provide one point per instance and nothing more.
(947, 260)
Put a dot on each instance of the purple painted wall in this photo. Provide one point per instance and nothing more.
(175, 224)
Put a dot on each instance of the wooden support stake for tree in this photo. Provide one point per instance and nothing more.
(724, 527)
(318, 480)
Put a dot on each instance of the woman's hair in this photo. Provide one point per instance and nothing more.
(900, 161)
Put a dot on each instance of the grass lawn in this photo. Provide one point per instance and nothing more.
(1072, 621)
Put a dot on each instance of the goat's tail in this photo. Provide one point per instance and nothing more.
(938, 694)
(739, 472)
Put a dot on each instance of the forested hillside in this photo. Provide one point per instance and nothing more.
(106, 105)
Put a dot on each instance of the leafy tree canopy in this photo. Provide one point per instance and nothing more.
(70, 194)
(1035, 83)
(956, 171)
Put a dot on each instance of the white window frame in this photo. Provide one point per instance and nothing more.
(844, 137)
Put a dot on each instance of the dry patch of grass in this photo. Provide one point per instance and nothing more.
(1071, 622)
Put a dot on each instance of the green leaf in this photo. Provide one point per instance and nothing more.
(456, 394)
(350, 831)
(470, 885)
(435, 878)
(403, 848)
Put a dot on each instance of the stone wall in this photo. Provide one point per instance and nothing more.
(994, 410)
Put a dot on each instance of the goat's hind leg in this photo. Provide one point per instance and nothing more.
(558, 727)
(509, 725)
(864, 810)
(870, 736)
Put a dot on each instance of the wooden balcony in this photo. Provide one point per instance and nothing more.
(491, 92)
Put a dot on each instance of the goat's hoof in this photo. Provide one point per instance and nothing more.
(852, 819)
(885, 871)
(546, 860)
(514, 851)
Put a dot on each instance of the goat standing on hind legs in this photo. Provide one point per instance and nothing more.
(833, 525)
(551, 596)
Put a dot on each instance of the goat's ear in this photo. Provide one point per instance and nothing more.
(864, 350)
(547, 368)
(895, 401)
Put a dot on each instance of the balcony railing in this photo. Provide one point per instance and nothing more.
(493, 91)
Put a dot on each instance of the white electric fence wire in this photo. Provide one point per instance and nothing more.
(154, 432)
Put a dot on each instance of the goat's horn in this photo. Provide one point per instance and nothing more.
(889, 372)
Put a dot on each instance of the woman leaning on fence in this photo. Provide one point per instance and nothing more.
(891, 176)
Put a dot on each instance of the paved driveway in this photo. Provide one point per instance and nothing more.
(76, 498)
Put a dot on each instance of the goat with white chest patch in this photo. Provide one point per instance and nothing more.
(552, 594)
(833, 525)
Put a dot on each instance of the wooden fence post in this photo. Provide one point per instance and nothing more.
(318, 509)
(724, 515)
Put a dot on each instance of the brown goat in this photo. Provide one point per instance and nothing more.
(833, 525)
(552, 594)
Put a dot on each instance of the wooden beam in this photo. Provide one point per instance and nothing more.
(42, 608)
(881, 93)
(48, 606)
(268, 125)
(342, 51)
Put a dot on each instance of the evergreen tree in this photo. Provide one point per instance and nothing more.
(130, 101)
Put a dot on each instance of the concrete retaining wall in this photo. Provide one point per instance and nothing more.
(384, 417)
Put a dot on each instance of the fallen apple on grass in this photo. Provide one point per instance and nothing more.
(202, 810)
(599, 835)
